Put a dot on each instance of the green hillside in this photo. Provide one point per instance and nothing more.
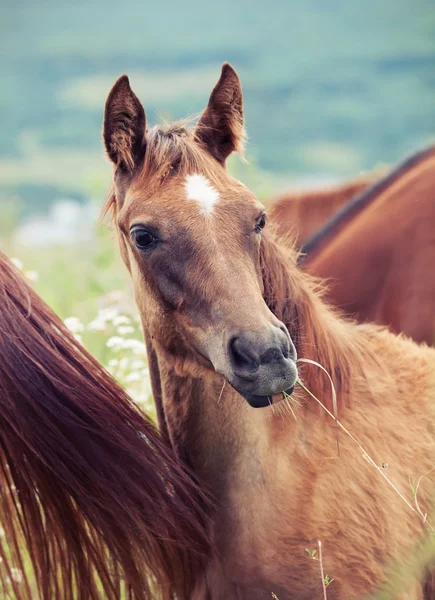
(330, 87)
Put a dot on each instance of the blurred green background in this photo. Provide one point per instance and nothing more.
(331, 87)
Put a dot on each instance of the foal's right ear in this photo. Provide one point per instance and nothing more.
(220, 128)
(124, 126)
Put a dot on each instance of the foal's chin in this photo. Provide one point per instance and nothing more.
(265, 394)
(263, 401)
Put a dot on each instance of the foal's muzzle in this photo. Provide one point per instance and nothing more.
(263, 364)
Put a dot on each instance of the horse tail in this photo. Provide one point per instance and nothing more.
(93, 502)
(429, 585)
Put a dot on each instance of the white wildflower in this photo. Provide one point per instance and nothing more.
(17, 262)
(121, 320)
(125, 329)
(140, 398)
(74, 324)
(97, 324)
(115, 342)
(143, 397)
(108, 314)
(123, 363)
(137, 364)
(32, 275)
(135, 345)
(133, 376)
(17, 575)
(113, 362)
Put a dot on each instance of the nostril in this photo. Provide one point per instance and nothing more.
(272, 355)
(286, 350)
(286, 345)
(242, 355)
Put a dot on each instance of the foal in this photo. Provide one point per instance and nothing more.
(93, 503)
(225, 312)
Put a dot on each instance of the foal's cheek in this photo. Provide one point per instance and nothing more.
(171, 293)
(169, 286)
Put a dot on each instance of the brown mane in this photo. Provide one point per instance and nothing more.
(303, 213)
(320, 332)
(101, 504)
(354, 206)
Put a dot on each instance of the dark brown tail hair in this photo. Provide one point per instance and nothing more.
(93, 503)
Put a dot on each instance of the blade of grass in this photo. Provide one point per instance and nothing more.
(334, 393)
(322, 574)
(366, 456)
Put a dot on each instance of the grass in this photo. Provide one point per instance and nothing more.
(325, 579)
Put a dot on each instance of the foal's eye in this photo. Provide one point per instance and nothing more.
(260, 223)
(143, 239)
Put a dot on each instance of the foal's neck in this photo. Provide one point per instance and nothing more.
(209, 425)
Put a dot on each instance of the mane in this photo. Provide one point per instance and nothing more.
(345, 189)
(93, 503)
(319, 331)
(360, 201)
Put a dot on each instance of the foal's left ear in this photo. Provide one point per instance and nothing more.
(220, 127)
(124, 126)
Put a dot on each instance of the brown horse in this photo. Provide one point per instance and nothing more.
(93, 503)
(225, 311)
(303, 213)
(378, 251)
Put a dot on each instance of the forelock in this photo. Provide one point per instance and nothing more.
(172, 151)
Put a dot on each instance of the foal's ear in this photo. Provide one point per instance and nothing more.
(124, 126)
(220, 127)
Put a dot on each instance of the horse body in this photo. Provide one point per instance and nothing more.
(303, 213)
(378, 259)
(225, 311)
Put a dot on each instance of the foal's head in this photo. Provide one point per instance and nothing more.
(190, 236)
